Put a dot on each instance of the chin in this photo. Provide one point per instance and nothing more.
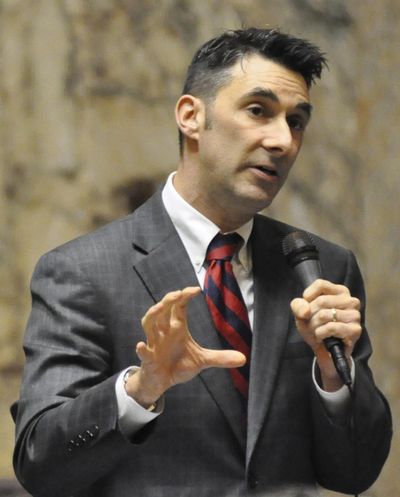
(254, 204)
(259, 198)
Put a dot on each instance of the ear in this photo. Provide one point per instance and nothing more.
(189, 115)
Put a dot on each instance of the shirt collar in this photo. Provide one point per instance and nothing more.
(196, 231)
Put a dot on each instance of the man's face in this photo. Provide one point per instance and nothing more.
(251, 136)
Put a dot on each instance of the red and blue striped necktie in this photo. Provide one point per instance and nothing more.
(226, 304)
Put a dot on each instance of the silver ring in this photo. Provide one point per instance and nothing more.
(334, 315)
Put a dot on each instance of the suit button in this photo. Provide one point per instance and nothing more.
(71, 445)
(93, 431)
(252, 481)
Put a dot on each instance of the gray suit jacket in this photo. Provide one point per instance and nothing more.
(88, 298)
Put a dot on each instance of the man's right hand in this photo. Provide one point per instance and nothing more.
(171, 356)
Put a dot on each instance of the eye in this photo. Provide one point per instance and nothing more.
(256, 110)
(298, 123)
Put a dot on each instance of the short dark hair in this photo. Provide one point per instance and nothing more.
(211, 64)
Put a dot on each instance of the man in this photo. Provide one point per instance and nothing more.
(192, 419)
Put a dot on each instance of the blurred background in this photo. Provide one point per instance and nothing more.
(87, 92)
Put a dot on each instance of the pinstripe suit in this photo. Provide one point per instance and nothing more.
(88, 298)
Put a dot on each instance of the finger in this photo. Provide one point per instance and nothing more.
(222, 359)
(164, 317)
(329, 302)
(301, 309)
(189, 292)
(324, 316)
(142, 351)
(178, 310)
(348, 332)
(149, 321)
(324, 287)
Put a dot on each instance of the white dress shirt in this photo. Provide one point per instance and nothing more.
(196, 232)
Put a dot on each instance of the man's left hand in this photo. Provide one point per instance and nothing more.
(327, 310)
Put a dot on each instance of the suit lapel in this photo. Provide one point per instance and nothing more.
(162, 263)
(272, 290)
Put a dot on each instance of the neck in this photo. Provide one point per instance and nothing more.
(227, 219)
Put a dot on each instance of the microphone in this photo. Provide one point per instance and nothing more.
(302, 255)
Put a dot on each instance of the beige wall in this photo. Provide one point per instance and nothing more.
(87, 89)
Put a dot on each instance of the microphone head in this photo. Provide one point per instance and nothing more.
(299, 246)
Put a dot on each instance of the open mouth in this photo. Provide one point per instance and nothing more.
(267, 170)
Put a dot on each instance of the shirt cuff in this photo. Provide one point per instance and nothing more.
(131, 415)
(336, 403)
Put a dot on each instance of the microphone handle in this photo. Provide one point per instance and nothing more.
(336, 348)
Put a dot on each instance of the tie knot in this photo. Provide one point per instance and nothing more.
(222, 247)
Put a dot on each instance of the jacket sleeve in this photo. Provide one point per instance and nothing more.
(349, 453)
(67, 412)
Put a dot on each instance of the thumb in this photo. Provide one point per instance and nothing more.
(223, 359)
(301, 309)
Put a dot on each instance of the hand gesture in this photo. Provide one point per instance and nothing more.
(171, 356)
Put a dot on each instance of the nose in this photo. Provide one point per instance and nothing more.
(278, 138)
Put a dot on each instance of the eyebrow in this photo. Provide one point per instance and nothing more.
(270, 95)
